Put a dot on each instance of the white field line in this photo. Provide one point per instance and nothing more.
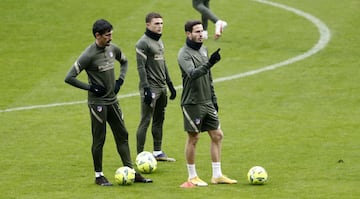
(324, 39)
(322, 42)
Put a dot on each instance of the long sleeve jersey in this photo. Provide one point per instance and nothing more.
(99, 65)
(151, 65)
(197, 79)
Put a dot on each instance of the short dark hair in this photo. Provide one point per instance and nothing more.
(152, 15)
(101, 26)
(190, 24)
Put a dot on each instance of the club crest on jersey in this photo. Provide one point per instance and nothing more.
(111, 54)
(99, 108)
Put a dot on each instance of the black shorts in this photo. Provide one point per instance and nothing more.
(200, 118)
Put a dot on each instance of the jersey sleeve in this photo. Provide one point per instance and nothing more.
(120, 56)
(167, 75)
(75, 70)
(141, 59)
(187, 64)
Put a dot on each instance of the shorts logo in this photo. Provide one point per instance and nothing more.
(99, 108)
(197, 121)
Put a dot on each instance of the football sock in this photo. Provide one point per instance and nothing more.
(98, 174)
(191, 170)
(216, 169)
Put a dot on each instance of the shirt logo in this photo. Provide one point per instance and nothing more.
(106, 67)
(158, 57)
(111, 54)
(99, 109)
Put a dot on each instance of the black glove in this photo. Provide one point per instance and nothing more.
(215, 57)
(172, 90)
(118, 84)
(216, 107)
(147, 96)
(97, 90)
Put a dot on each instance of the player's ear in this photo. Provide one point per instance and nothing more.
(188, 33)
(97, 35)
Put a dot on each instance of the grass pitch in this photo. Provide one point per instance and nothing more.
(300, 122)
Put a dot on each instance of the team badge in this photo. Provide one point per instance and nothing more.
(111, 54)
(99, 108)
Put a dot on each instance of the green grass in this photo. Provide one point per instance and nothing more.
(296, 121)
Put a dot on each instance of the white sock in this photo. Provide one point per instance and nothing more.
(156, 153)
(191, 170)
(216, 168)
(98, 174)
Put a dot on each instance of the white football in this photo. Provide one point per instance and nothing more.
(257, 175)
(125, 176)
(146, 162)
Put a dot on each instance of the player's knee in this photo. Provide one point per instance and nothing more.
(193, 138)
(216, 135)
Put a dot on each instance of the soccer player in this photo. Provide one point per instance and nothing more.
(154, 77)
(199, 102)
(203, 7)
(98, 61)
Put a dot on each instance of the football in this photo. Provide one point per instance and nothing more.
(125, 176)
(146, 162)
(257, 175)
